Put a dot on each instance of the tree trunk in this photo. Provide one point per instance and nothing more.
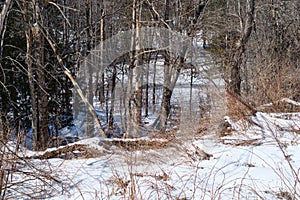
(236, 73)
(112, 99)
(3, 16)
(138, 93)
(30, 73)
(4, 110)
(171, 73)
(237, 59)
(102, 37)
(38, 39)
(134, 69)
(90, 92)
(154, 85)
(167, 93)
(147, 87)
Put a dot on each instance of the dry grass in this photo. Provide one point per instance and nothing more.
(23, 178)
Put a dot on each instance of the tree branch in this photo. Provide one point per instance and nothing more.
(69, 75)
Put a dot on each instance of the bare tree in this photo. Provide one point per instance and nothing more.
(34, 112)
(90, 92)
(137, 116)
(173, 67)
(42, 136)
(4, 110)
(246, 23)
(3, 16)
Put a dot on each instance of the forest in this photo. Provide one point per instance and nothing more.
(125, 70)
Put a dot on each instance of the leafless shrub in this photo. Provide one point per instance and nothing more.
(23, 178)
(284, 83)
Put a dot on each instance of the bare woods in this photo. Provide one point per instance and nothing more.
(254, 45)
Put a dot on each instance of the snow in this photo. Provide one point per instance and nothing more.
(255, 161)
(285, 100)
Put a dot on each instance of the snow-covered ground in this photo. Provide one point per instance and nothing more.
(257, 160)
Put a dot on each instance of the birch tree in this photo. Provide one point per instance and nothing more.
(3, 17)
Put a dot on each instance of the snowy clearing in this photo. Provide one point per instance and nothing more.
(257, 160)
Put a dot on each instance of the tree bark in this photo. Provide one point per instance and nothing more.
(38, 39)
(154, 84)
(30, 73)
(90, 92)
(112, 99)
(237, 58)
(167, 93)
(102, 37)
(4, 109)
(134, 111)
(147, 86)
(171, 73)
(3, 16)
(137, 71)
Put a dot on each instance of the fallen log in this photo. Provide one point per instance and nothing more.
(69, 152)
